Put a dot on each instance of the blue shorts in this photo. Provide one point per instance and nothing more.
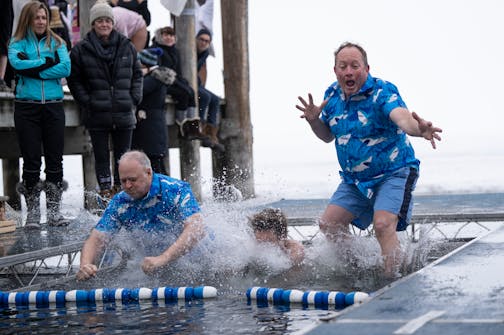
(394, 195)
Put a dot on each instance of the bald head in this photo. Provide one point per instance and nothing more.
(135, 172)
(137, 156)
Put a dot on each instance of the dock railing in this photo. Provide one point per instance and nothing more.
(450, 227)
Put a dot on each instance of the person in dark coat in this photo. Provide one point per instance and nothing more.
(186, 115)
(151, 134)
(106, 81)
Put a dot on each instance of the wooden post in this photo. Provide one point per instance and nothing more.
(235, 166)
(84, 7)
(190, 169)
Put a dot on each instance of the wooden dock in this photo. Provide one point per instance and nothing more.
(460, 293)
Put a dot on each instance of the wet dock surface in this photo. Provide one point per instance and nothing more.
(23, 241)
(461, 293)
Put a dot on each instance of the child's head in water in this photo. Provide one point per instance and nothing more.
(270, 225)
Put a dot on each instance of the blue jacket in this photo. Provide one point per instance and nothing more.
(49, 87)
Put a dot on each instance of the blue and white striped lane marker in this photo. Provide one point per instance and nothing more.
(324, 298)
(292, 296)
(275, 295)
(183, 293)
(43, 299)
(264, 294)
(40, 299)
(316, 298)
(172, 293)
(356, 298)
(203, 292)
(337, 299)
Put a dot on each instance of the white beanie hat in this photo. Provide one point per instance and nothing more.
(100, 9)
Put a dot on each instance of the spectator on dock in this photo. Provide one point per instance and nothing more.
(106, 82)
(139, 6)
(186, 115)
(270, 226)
(162, 207)
(209, 103)
(40, 59)
(151, 133)
(57, 25)
(369, 122)
(132, 25)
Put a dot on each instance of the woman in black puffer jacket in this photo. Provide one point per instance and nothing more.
(106, 81)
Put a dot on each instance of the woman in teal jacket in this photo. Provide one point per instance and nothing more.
(40, 59)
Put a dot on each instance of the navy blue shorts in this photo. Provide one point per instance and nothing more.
(394, 195)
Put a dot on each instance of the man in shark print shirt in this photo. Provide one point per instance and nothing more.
(152, 205)
(369, 122)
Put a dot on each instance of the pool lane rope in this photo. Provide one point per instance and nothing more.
(316, 298)
(42, 299)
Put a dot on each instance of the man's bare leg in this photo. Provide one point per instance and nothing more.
(385, 224)
(334, 222)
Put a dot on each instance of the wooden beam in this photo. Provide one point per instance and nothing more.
(190, 168)
(235, 166)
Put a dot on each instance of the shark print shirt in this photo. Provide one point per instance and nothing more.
(162, 211)
(369, 145)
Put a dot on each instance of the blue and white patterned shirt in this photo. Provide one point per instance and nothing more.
(368, 143)
(169, 202)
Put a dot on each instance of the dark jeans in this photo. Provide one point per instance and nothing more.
(157, 164)
(208, 100)
(121, 142)
(40, 125)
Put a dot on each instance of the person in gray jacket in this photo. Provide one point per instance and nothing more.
(106, 81)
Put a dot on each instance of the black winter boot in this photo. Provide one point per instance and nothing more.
(191, 130)
(53, 198)
(32, 198)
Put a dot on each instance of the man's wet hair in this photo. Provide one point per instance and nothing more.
(270, 219)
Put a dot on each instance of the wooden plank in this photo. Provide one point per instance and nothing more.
(7, 223)
(7, 228)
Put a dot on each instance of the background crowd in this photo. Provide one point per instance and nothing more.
(118, 75)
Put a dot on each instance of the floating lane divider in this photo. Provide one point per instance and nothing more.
(316, 298)
(42, 299)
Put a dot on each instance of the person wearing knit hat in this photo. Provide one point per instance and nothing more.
(149, 57)
(204, 31)
(106, 82)
(100, 9)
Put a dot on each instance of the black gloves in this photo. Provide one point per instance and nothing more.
(34, 72)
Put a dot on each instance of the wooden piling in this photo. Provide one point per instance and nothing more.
(235, 166)
(190, 169)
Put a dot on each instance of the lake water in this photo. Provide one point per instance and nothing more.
(326, 268)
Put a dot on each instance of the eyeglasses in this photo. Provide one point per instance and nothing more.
(204, 40)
